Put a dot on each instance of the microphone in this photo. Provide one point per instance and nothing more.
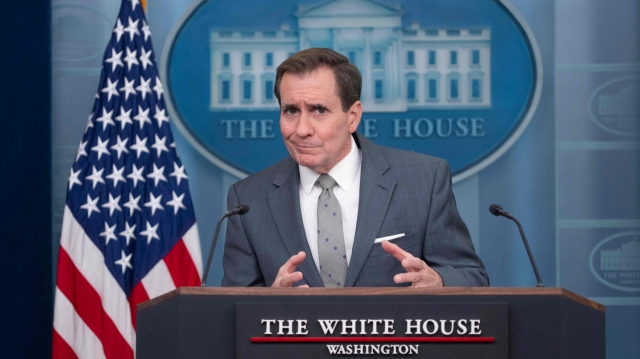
(497, 210)
(239, 209)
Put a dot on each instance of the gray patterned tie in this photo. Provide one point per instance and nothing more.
(333, 258)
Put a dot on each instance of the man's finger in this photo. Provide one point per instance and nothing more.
(303, 286)
(287, 275)
(287, 280)
(414, 264)
(293, 262)
(395, 251)
(407, 277)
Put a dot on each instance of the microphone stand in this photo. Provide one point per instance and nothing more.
(526, 245)
(213, 247)
(497, 210)
(240, 209)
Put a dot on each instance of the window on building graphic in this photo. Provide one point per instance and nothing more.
(475, 57)
(246, 90)
(225, 80)
(454, 58)
(268, 90)
(269, 59)
(352, 57)
(226, 59)
(411, 89)
(377, 58)
(226, 90)
(267, 80)
(411, 61)
(247, 59)
(475, 86)
(411, 86)
(453, 86)
(432, 79)
(432, 58)
(246, 87)
(433, 89)
(378, 90)
(454, 89)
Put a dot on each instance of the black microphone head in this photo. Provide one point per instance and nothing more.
(244, 208)
(495, 209)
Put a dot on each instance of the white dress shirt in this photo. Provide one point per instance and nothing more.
(347, 191)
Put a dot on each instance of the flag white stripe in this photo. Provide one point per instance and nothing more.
(89, 260)
(74, 331)
(158, 281)
(192, 242)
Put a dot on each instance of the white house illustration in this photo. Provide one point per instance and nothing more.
(402, 68)
(625, 258)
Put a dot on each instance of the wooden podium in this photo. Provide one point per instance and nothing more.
(200, 322)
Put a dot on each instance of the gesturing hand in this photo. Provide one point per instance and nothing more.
(418, 272)
(286, 275)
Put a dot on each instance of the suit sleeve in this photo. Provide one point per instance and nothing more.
(240, 263)
(447, 247)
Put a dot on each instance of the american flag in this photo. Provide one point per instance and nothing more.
(129, 232)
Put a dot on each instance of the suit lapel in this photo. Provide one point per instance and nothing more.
(375, 195)
(284, 203)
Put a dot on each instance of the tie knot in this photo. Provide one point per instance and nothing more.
(326, 182)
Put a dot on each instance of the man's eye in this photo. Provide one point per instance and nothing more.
(322, 111)
(291, 111)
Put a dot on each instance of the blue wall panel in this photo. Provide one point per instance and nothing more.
(25, 177)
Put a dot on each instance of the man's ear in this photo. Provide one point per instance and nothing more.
(355, 114)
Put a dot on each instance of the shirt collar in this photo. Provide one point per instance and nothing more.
(344, 172)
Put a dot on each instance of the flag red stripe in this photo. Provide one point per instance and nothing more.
(138, 295)
(192, 242)
(181, 267)
(88, 304)
(61, 349)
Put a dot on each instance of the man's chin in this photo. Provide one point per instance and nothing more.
(307, 161)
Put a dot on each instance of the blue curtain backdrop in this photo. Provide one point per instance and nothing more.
(573, 181)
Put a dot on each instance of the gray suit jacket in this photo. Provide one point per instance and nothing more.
(400, 192)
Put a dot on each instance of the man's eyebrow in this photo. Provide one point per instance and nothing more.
(315, 105)
(286, 107)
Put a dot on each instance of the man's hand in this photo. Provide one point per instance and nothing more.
(286, 275)
(418, 272)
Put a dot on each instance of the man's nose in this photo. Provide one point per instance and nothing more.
(304, 127)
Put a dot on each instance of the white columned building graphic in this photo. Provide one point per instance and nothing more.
(402, 68)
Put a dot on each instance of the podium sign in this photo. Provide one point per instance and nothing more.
(220, 323)
(378, 329)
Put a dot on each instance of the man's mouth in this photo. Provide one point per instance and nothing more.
(305, 145)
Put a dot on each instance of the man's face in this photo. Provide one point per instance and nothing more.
(316, 131)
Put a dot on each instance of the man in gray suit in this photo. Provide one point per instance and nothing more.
(342, 211)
